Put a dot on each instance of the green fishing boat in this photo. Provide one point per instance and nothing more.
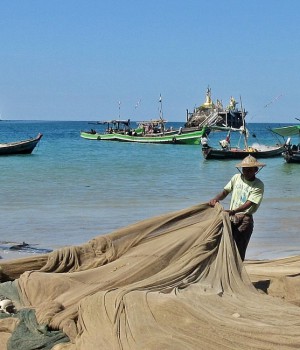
(150, 131)
(179, 137)
(153, 131)
(112, 127)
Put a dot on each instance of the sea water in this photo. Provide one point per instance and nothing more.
(71, 189)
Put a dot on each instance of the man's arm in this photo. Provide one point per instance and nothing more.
(241, 208)
(222, 195)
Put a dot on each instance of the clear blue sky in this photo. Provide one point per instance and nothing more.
(76, 59)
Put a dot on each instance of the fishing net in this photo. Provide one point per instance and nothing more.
(174, 281)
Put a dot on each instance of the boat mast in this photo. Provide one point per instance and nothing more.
(161, 115)
(119, 109)
(160, 110)
(244, 125)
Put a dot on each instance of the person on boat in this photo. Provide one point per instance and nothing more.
(247, 193)
(204, 141)
(224, 144)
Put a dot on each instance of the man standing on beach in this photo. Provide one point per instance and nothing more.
(247, 193)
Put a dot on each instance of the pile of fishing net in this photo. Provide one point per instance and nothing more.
(170, 282)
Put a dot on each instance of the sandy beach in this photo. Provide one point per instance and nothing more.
(170, 282)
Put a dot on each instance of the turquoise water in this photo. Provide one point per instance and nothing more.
(71, 190)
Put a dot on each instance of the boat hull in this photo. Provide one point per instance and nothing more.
(19, 147)
(293, 157)
(97, 136)
(212, 153)
(189, 138)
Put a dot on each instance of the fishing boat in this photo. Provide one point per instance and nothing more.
(215, 113)
(149, 131)
(226, 151)
(181, 136)
(291, 152)
(152, 131)
(20, 147)
(238, 153)
(112, 127)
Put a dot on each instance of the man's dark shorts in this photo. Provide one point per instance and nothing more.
(242, 228)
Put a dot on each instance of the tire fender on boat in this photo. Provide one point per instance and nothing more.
(98, 137)
(174, 139)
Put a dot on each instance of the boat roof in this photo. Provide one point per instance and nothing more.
(115, 121)
(224, 128)
(153, 121)
(287, 130)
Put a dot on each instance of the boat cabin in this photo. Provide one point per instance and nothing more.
(116, 126)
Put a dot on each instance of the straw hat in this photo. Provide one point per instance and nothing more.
(250, 162)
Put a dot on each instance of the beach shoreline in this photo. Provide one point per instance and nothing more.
(13, 255)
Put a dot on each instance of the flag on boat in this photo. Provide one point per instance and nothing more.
(228, 136)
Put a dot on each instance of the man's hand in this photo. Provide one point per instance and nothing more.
(230, 212)
(218, 198)
(213, 202)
